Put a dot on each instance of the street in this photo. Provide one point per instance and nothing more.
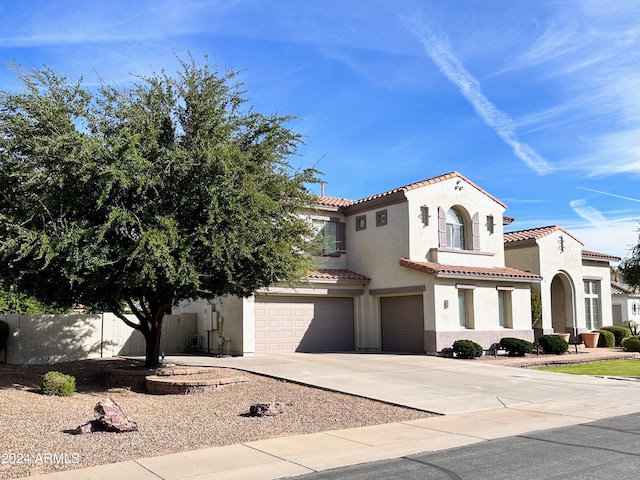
(605, 449)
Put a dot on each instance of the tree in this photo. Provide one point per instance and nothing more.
(629, 268)
(140, 197)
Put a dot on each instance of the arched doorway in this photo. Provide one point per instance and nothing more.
(562, 309)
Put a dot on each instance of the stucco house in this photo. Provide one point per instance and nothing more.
(411, 270)
(625, 304)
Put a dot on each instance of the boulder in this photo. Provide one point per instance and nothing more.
(110, 417)
(266, 409)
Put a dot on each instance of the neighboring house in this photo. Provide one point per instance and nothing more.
(411, 270)
(576, 287)
(625, 304)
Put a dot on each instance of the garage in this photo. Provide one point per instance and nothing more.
(402, 324)
(303, 324)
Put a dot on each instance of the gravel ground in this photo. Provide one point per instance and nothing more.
(32, 426)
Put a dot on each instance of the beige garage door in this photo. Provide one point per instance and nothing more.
(402, 324)
(304, 324)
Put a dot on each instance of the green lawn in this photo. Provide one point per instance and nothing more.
(609, 368)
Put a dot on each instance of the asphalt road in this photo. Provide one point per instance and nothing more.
(606, 449)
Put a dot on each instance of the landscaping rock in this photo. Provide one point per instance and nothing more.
(266, 409)
(110, 417)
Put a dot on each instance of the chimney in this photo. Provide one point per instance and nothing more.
(322, 189)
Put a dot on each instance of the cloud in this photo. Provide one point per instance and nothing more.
(590, 214)
(437, 47)
(611, 194)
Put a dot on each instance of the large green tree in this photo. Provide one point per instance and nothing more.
(139, 197)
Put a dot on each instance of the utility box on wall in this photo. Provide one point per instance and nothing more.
(211, 318)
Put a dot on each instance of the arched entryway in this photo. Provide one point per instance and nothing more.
(562, 304)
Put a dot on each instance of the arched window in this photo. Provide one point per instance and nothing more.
(455, 230)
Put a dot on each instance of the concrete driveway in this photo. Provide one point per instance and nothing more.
(439, 385)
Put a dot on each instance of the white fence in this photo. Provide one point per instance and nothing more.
(61, 338)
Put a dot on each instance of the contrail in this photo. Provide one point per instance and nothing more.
(611, 194)
(437, 47)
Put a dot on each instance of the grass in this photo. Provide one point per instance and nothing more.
(608, 368)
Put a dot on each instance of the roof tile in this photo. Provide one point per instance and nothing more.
(535, 234)
(499, 273)
(336, 274)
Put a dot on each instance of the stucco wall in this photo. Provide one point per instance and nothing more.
(376, 251)
(455, 192)
(600, 271)
(227, 313)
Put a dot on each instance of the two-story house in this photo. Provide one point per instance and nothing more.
(408, 270)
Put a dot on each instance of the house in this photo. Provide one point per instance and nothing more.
(625, 304)
(411, 270)
(575, 289)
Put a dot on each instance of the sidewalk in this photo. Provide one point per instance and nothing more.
(576, 400)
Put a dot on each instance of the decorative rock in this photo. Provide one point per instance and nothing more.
(110, 417)
(266, 409)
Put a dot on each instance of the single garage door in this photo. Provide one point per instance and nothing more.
(402, 324)
(304, 324)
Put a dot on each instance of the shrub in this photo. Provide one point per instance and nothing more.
(467, 349)
(516, 347)
(606, 339)
(56, 383)
(4, 329)
(631, 344)
(620, 333)
(553, 344)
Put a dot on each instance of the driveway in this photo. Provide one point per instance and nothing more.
(439, 385)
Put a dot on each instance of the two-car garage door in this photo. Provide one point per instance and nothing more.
(304, 324)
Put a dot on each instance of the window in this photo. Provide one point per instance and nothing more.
(592, 304)
(465, 307)
(455, 230)
(361, 222)
(504, 309)
(381, 218)
(331, 235)
(424, 215)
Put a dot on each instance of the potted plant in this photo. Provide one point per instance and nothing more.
(590, 339)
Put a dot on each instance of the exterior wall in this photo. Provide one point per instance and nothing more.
(455, 193)
(36, 339)
(485, 329)
(599, 271)
(217, 320)
(629, 307)
(376, 251)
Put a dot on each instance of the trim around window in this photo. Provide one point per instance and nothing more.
(381, 218)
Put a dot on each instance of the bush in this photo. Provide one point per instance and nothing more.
(516, 347)
(606, 339)
(467, 349)
(553, 344)
(56, 383)
(631, 344)
(620, 333)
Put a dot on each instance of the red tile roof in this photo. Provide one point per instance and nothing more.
(482, 273)
(335, 274)
(619, 288)
(334, 201)
(343, 202)
(589, 255)
(535, 234)
(424, 183)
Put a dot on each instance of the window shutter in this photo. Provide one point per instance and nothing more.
(341, 237)
(475, 231)
(442, 228)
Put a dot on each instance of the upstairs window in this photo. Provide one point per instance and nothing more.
(332, 236)
(455, 230)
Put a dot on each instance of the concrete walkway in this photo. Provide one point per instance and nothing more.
(480, 402)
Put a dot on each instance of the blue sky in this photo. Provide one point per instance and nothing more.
(537, 102)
